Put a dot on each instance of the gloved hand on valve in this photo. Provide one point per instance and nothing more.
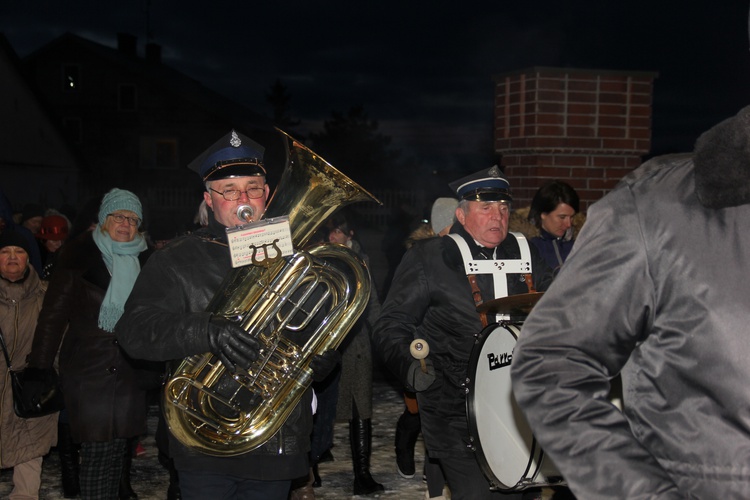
(233, 346)
(323, 364)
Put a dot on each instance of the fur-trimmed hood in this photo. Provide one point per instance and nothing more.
(519, 222)
(722, 163)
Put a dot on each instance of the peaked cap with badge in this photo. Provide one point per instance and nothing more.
(234, 155)
(485, 185)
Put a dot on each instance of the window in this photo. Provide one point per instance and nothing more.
(158, 153)
(126, 99)
(71, 78)
(166, 154)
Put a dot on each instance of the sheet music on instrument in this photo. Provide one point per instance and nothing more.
(255, 242)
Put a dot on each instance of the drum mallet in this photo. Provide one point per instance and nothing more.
(419, 349)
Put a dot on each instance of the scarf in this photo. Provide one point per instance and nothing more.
(121, 259)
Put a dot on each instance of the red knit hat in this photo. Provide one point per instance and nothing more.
(54, 227)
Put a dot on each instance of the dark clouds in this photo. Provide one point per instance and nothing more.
(424, 69)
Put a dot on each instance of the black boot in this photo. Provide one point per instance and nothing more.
(126, 491)
(360, 437)
(407, 432)
(69, 461)
(316, 476)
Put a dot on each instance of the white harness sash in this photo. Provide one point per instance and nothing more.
(499, 269)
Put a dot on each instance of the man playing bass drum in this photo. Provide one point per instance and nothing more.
(431, 297)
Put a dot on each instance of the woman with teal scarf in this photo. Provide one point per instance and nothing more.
(106, 406)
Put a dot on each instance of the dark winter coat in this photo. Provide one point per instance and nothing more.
(103, 397)
(355, 385)
(166, 319)
(431, 298)
(657, 288)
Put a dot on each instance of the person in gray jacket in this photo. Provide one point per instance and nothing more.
(656, 289)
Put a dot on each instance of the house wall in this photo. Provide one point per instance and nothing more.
(37, 165)
(144, 147)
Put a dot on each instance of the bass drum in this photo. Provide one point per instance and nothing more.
(501, 438)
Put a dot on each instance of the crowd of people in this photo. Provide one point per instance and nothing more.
(631, 295)
(72, 299)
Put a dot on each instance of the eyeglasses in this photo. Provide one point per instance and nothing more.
(133, 221)
(234, 194)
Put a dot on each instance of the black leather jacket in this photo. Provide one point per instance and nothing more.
(165, 318)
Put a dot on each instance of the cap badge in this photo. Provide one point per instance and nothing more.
(235, 140)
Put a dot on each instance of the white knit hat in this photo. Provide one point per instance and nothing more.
(443, 213)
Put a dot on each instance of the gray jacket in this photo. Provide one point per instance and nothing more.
(21, 439)
(657, 289)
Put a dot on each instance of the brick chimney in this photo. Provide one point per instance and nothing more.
(588, 128)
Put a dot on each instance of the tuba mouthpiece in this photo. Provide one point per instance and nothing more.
(245, 212)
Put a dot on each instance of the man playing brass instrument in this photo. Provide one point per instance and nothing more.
(165, 318)
(432, 297)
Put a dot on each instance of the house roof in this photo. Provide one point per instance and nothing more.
(164, 76)
(27, 120)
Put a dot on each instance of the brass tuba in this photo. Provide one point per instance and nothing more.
(323, 291)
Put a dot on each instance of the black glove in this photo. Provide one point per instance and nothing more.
(418, 380)
(323, 364)
(233, 345)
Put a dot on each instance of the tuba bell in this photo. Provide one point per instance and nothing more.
(296, 307)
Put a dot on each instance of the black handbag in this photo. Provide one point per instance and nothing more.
(44, 399)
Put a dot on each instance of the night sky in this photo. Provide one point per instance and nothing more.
(423, 70)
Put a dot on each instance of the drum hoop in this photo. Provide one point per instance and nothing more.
(535, 452)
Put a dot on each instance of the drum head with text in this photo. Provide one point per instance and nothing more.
(505, 447)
